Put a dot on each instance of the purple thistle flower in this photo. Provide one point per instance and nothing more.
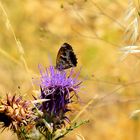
(57, 87)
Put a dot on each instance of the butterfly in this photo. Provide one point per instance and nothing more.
(65, 57)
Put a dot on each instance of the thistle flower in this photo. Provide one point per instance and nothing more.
(16, 114)
(57, 86)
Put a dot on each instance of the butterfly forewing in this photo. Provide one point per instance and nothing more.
(65, 57)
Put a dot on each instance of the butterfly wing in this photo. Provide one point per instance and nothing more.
(65, 57)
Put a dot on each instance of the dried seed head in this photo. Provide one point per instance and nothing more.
(16, 113)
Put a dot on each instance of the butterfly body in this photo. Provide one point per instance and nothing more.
(65, 57)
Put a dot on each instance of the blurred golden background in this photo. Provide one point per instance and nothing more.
(31, 33)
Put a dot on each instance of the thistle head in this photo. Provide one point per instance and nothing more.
(59, 87)
(15, 113)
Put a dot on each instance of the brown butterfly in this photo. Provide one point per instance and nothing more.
(65, 57)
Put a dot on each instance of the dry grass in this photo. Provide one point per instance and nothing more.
(31, 33)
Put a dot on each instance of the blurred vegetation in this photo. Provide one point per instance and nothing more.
(32, 31)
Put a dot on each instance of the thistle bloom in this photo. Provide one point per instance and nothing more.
(57, 86)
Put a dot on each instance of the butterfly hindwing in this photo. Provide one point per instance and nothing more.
(65, 57)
